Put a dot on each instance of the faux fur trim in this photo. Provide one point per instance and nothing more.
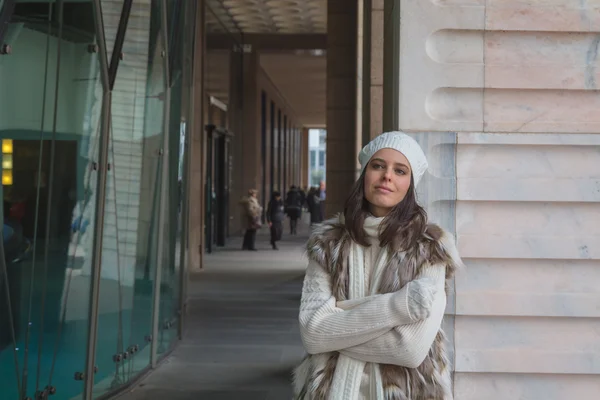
(329, 246)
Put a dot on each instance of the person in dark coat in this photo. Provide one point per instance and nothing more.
(293, 208)
(314, 206)
(275, 216)
(302, 197)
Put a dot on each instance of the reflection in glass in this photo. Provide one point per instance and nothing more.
(132, 193)
(50, 105)
(111, 16)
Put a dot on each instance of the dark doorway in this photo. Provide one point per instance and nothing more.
(263, 148)
(273, 163)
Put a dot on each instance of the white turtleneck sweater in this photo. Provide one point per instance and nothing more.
(374, 329)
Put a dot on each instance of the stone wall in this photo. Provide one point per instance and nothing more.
(516, 81)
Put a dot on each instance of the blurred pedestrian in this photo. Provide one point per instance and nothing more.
(252, 211)
(275, 217)
(293, 208)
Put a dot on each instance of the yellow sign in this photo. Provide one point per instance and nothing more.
(7, 146)
(7, 177)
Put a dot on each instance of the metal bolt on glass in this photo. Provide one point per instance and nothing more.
(133, 349)
(5, 49)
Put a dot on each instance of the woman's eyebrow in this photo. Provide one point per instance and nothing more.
(401, 165)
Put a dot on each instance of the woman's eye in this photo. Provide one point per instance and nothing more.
(401, 172)
(377, 166)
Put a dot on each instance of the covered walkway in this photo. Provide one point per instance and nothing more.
(241, 339)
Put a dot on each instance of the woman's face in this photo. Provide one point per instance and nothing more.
(386, 181)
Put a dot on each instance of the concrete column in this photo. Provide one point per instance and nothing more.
(196, 159)
(373, 18)
(286, 151)
(291, 180)
(246, 169)
(342, 17)
(297, 160)
(304, 156)
(291, 157)
(391, 64)
(289, 154)
(269, 161)
(377, 51)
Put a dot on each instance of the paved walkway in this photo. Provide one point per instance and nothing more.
(242, 338)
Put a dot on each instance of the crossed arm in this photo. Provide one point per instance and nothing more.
(377, 328)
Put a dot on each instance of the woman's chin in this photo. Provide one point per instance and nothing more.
(378, 202)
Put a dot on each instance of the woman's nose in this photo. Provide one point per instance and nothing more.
(387, 174)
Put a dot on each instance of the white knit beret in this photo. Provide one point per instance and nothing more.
(401, 142)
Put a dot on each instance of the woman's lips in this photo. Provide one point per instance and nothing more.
(383, 189)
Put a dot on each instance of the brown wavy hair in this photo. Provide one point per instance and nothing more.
(406, 221)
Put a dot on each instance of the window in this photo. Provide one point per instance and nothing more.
(322, 138)
(313, 158)
(321, 159)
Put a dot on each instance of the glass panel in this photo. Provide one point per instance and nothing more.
(50, 106)
(132, 201)
(172, 234)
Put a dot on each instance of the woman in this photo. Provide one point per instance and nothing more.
(252, 212)
(374, 293)
(275, 217)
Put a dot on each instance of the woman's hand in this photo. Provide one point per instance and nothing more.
(421, 293)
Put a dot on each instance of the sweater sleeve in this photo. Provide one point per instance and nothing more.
(407, 345)
(324, 327)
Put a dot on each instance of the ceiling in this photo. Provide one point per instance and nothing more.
(300, 76)
(301, 79)
(217, 75)
(306, 93)
(268, 16)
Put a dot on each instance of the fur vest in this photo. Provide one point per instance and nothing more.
(329, 246)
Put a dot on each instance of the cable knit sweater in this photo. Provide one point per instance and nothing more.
(378, 328)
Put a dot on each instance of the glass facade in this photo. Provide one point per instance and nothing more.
(94, 121)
